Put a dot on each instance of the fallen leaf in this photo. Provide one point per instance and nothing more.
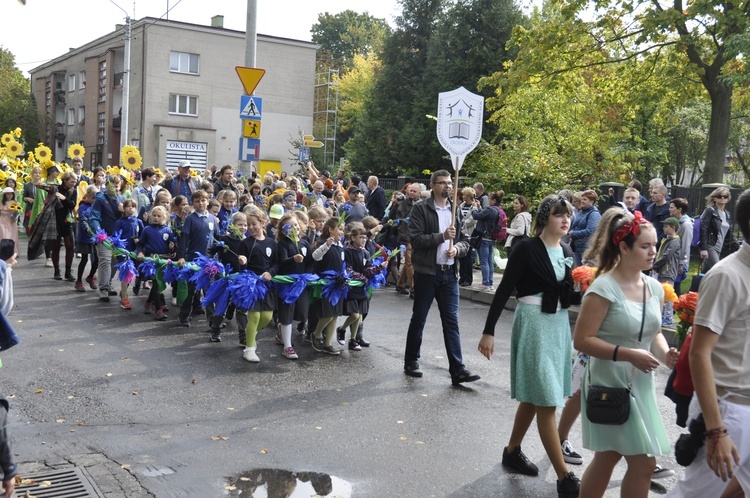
(27, 482)
(193, 381)
(72, 430)
(60, 420)
(230, 488)
(44, 484)
(38, 391)
(71, 397)
(125, 466)
(419, 442)
(304, 401)
(109, 374)
(61, 350)
(141, 340)
(403, 438)
(230, 408)
(319, 428)
(264, 451)
(424, 395)
(245, 479)
(20, 321)
(345, 403)
(124, 358)
(28, 495)
(79, 423)
(219, 438)
(91, 344)
(399, 421)
(134, 393)
(11, 396)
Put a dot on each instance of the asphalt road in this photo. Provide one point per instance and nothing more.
(175, 415)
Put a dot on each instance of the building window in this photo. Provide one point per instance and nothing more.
(81, 115)
(183, 104)
(71, 117)
(181, 62)
(102, 81)
(82, 80)
(71, 82)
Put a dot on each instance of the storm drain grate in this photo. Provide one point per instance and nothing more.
(66, 483)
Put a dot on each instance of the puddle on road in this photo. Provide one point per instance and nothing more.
(279, 483)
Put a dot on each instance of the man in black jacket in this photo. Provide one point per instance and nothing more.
(375, 200)
(436, 276)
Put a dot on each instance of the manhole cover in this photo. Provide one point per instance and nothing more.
(65, 483)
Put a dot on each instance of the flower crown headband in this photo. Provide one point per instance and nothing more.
(633, 227)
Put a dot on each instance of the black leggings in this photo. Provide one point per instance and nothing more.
(55, 254)
(82, 265)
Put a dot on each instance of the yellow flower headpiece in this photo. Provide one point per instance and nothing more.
(13, 149)
(116, 170)
(7, 138)
(43, 153)
(131, 158)
(76, 151)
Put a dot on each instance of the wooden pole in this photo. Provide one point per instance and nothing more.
(455, 198)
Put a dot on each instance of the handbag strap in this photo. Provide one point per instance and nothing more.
(640, 336)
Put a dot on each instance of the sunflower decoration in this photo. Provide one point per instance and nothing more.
(15, 206)
(46, 170)
(76, 151)
(7, 138)
(116, 170)
(194, 172)
(13, 149)
(131, 158)
(17, 132)
(43, 153)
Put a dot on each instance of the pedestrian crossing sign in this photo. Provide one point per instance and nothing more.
(251, 107)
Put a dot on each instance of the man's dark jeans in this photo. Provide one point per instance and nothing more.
(442, 287)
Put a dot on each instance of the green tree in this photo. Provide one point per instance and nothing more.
(345, 35)
(17, 104)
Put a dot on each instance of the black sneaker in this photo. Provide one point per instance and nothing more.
(341, 335)
(412, 370)
(569, 486)
(111, 293)
(330, 350)
(464, 376)
(569, 454)
(215, 336)
(517, 461)
(184, 322)
(104, 299)
(318, 344)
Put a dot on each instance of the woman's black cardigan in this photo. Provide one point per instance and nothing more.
(530, 272)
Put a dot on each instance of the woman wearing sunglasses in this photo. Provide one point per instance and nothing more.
(716, 227)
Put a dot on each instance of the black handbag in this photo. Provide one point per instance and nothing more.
(475, 240)
(611, 405)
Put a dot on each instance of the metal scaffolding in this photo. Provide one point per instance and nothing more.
(325, 113)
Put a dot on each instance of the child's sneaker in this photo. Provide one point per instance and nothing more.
(341, 335)
(79, 286)
(290, 353)
(215, 336)
(354, 345)
(125, 303)
(330, 350)
(92, 282)
(161, 314)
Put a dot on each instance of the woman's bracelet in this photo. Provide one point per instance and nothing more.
(614, 354)
(715, 433)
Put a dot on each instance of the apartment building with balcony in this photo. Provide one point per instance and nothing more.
(184, 94)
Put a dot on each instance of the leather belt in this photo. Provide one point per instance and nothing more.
(445, 267)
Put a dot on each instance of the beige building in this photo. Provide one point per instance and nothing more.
(184, 94)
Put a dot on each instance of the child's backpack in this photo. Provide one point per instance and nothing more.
(696, 232)
(498, 231)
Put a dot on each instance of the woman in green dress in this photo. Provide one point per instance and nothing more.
(539, 269)
(608, 329)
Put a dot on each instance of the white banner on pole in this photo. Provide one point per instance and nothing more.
(459, 123)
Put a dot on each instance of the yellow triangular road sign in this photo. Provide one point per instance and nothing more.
(250, 77)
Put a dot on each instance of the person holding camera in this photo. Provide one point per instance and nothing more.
(721, 376)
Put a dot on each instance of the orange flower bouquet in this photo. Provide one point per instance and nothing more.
(583, 276)
(670, 296)
(685, 310)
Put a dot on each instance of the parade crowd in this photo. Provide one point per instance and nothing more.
(302, 251)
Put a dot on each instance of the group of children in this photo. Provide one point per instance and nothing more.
(287, 241)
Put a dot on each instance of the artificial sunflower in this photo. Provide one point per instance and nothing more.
(132, 161)
(129, 150)
(116, 170)
(43, 153)
(76, 151)
(14, 206)
(194, 172)
(7, 138)
(13, 148)
(17, 132)
(30, 157)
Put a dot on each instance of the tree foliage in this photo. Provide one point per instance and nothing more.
(17, 105)
(345, 35)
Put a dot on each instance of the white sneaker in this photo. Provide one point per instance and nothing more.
(48, 264)
(570, 455)
(249, 355)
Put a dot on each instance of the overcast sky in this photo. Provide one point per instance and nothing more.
(45, 29)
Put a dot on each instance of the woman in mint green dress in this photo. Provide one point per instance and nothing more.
(539, 270)
(607, 329)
